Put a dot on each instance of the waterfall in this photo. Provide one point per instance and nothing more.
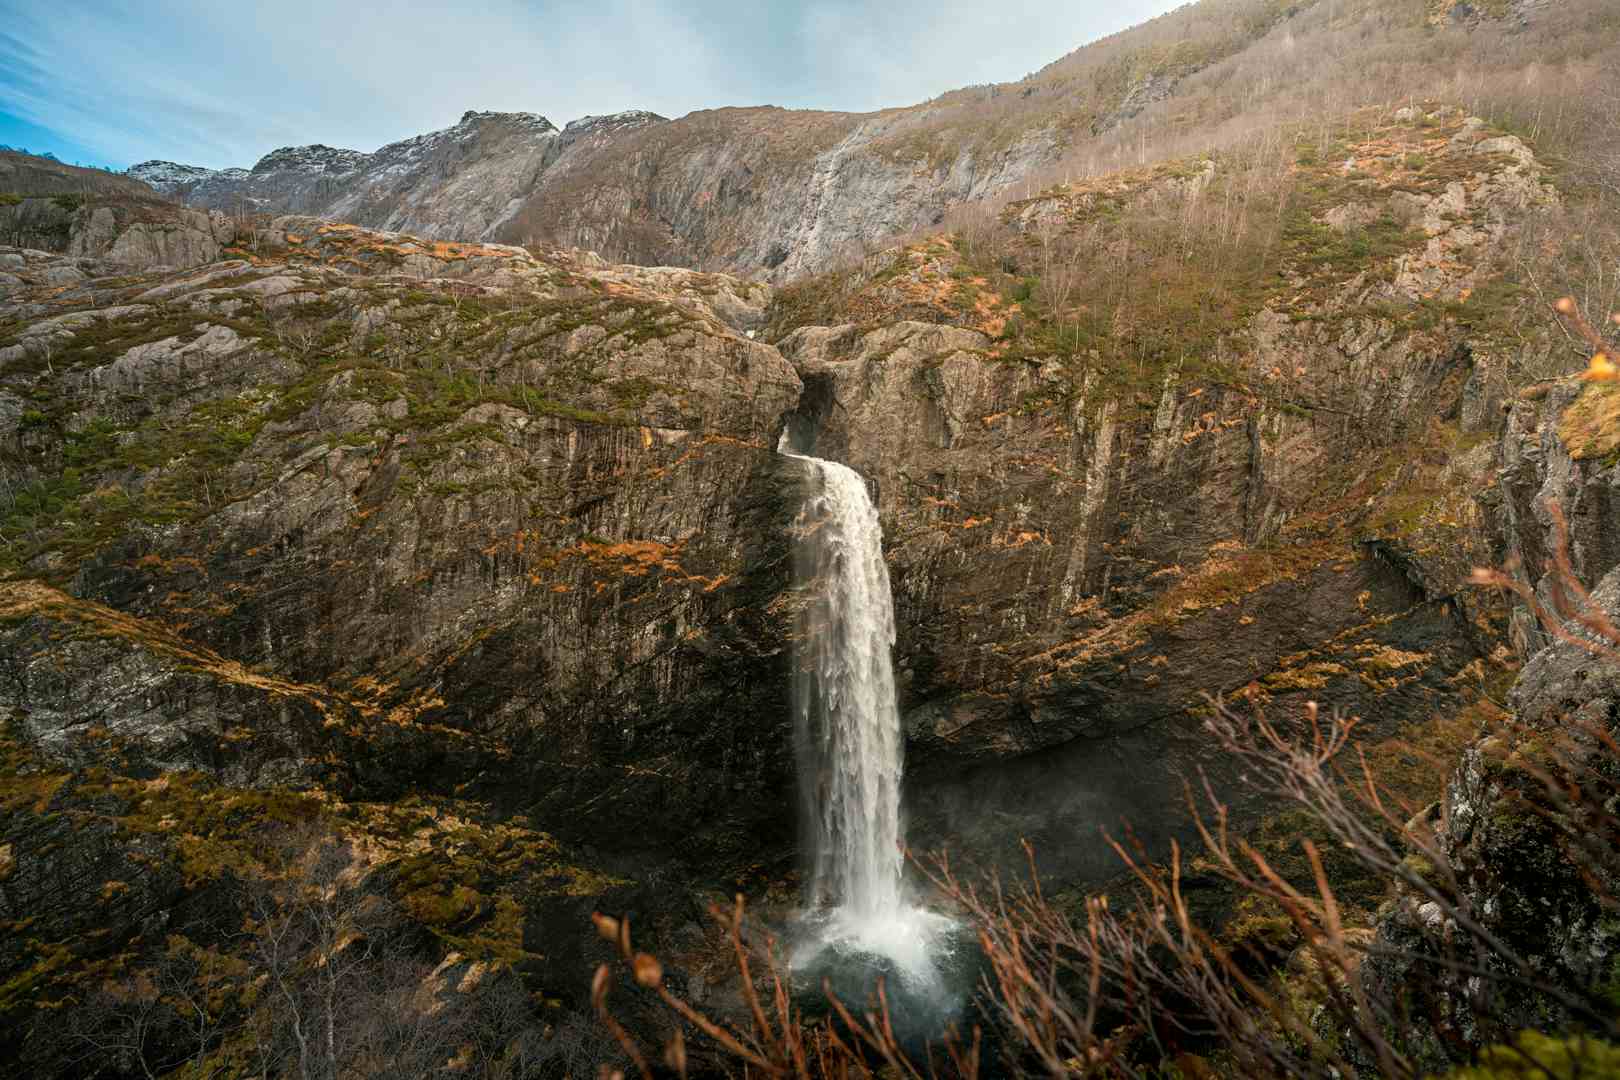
(848, 730)
(848, 724)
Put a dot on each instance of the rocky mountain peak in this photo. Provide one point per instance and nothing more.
(513, 130)
(314, 158)
(170, 177)
(619, 121)
(475, 118)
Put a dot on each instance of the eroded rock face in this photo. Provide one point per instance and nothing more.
(1079, 560)
(88, 213)
(129, 236)
(1524, 876)
(1523, 872)
(369, 521)
(562, 535)
(1070, 582)
(179, 239)
(1552, 455)
(748, 190)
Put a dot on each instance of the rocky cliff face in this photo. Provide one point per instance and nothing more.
(748, 190)
(779, 193)
(1529, 867)
(51, 207)
(458, 183)
(545, 455)
(756, 191)
(355, 521)
(367, 519)
(1079, 559)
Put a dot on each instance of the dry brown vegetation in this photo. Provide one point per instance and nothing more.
(1130, 275)
(1204, 78)
(1257, 86)
(1242, 67)
(322, 980)
(1136, 986)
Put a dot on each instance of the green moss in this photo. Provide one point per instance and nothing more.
(1419, 866)
(468, 877)
(443, 909)
(1262, 928)
(214, 829)
(74, 512)
(51, 960)
(1314, 247)
(105, 340)
(1313, 676)
(1547, 1057)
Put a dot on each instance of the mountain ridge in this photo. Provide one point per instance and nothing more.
(780, 193)
(896, 169)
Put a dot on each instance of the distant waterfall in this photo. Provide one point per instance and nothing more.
(849, 737)
(848, 724)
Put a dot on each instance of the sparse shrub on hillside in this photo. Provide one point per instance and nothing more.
(1148, 271)
(1232, 72)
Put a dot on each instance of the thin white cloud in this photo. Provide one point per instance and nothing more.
(881, 55)
(221, 84)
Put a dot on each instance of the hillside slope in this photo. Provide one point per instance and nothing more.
(356, 517)
(764, 191)
(53, 207)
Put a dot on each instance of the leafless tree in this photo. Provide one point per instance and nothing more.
(119, 1030)
(298, 336)
(318, 936)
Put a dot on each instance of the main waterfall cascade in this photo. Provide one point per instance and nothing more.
(850, 742)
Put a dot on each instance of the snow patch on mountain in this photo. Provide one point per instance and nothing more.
(612, 123)
(315, 158)
(170, 177)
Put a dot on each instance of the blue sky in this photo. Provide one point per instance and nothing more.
(221, 82)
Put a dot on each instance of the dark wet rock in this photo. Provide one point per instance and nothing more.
(1525, 883)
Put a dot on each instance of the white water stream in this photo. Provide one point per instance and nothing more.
(849, 736)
